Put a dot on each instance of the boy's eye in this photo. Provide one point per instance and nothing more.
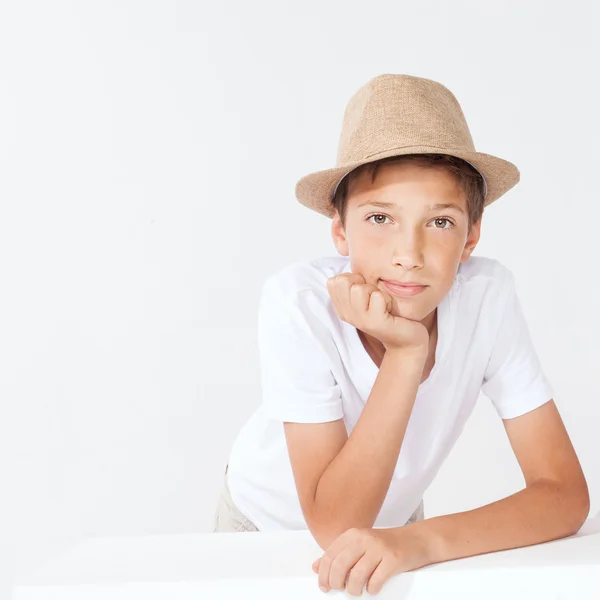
(380, 220)
(442, 219)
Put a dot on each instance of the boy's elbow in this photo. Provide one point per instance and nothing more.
(325, 536)
(576, 503)
(325, 532)
(583, 509)
(323, 539)
(321, 530)
(581, 503)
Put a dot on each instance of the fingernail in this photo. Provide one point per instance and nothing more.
(323, 588)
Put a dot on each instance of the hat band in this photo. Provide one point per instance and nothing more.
(480, 173)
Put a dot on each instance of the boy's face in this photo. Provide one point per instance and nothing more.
(409, 241)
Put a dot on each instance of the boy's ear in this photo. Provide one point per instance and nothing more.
(339, 235)
(472, 240)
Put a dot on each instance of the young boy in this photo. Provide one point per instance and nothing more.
(372, 361)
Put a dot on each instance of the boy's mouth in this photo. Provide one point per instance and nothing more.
(405, 290)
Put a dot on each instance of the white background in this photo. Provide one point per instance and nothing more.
(148, 156)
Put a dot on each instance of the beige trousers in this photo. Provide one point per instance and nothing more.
(229, 518)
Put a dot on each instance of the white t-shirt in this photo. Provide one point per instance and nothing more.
(315, 369)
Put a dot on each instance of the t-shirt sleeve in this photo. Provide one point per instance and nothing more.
(514, 380)
(293, 342)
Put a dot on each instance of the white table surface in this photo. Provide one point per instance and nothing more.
(265, 565)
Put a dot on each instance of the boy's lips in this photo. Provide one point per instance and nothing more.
(403, 289)
(403, 283)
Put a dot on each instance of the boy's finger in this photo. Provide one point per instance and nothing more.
(377, 303)
(358, 296)
(353, 277)
(346, 279)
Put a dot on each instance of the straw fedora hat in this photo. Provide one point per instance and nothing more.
(402, 114)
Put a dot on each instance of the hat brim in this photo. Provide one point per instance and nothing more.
(316, 189)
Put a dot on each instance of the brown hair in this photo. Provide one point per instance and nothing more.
(468, 178)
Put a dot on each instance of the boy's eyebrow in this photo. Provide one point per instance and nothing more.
(438, 206)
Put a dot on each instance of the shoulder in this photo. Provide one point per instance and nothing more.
(483, 286)
(301, 287)
(485, 275)
(484, 289)
(305, 277)
(483, 268)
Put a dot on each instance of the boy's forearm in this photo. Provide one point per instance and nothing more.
(541, 512)
(352, 489)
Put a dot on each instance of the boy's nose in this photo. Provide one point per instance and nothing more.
(408, 255)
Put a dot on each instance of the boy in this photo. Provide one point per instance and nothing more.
(372, 361)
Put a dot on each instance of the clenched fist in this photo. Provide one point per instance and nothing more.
(370, 309)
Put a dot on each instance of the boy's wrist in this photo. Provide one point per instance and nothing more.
(424, 545)
(416, 354)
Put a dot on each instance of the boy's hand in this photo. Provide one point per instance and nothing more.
(368, 309)
(366, 556)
